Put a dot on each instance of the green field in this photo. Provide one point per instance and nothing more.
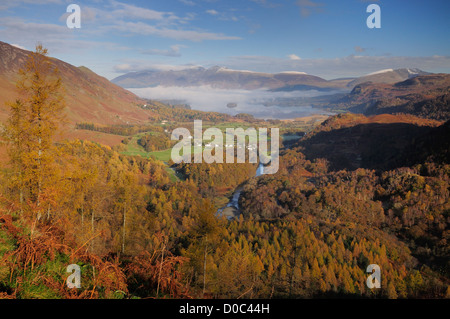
(162, 155)
(134, 149)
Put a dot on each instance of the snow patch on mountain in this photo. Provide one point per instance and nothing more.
(381, 71)
(293, 72)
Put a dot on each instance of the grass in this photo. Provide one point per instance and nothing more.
(6, 245)
(174, 177)
(163, 156)
(134, 149)
(224, 126)
(31, 286)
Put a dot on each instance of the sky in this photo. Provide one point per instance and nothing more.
(326, 38)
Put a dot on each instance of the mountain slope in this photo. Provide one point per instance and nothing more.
(89, 97)
(388, 76)
(426, 96)
(351, 141)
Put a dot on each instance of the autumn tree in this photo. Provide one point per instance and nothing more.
(34, 119)
(203, 234)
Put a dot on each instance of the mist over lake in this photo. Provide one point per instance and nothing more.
(259, 103)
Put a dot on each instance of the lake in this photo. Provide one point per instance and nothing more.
(262, 104)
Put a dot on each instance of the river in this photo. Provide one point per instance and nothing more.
(231, 210)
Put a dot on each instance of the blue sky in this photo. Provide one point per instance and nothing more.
(325, 38)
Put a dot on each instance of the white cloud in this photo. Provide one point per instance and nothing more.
(6, 4)
(174, 51)
(266, 4)
(126, 18)
(212, 12)
(177, 34)
(134, 12)
(56, 38)
(29, 33)
(294, 57)
(131, 19)
(142, 65)
(88, 15)
(125, 67)
(307, 7)
(188, 2)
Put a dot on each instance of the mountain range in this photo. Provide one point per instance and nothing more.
(224, 78)
(218, 77)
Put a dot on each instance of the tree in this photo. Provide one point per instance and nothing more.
(204, 233)
(391, 293)
(29, 131)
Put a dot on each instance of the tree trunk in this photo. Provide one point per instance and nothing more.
(204, 267)
(124, 224)
(82, 216)
(160, 270)
(92, 229)
(38, 200)
(21, 197)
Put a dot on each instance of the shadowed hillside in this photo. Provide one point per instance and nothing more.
(355, 141)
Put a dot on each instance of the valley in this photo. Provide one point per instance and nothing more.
(365, 180)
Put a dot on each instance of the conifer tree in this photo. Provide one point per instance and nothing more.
(34, 118)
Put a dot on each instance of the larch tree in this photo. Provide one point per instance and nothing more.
(34, 118)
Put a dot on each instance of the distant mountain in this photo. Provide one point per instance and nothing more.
(427, 96)
(223, 78)
(89, 97)
(388, 76)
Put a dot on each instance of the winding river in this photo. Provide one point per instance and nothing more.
(231, 210)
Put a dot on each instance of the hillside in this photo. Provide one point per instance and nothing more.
(89, 97)
(352, 141)
(426, 96)
(388, 76)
